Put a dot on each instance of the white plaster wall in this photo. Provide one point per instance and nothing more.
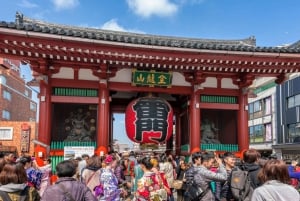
(86, 74)
(179, 80)
(123, 75)
(210, 82)
(64, 73)
(226, 83)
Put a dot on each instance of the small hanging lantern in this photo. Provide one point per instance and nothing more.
(149, 120)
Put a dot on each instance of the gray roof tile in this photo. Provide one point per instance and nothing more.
(247, 45)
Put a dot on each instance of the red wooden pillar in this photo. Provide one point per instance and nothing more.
(243, 137)
(194, 122)
(44, 134)
(178, 134)
(103, 117)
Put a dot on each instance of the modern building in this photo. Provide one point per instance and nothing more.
(269, 130)
(85, 75)
(288, 119)
(262, 116)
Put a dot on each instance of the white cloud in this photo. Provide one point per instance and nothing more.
(27, 4)
(147, 8)
(114, 26)
(65, 4)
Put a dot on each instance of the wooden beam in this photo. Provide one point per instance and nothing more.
(219, 106)
(73, 99)
(127, 87)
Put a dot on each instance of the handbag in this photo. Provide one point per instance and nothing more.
(193, 193)
(178, 183)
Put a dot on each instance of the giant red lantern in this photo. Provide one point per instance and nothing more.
(149, 120)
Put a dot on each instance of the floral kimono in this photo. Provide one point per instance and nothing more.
(110, 185)
(149, 188)
(46, 177)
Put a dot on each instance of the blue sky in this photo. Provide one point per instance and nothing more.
(272, 22)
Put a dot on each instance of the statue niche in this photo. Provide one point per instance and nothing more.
(80, 126)
(209, 132)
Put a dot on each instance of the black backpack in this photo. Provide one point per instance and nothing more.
(240, 184)
(192, 192)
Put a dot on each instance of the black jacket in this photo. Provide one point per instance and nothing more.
(253, 170)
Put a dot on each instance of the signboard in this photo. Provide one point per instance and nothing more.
(151, 78)
(78, 151)
(25, 137)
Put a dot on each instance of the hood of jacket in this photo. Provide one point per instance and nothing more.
(250, 167)
(10, 188)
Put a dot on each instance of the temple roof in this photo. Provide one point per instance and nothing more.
(46, 45)
(244, 45)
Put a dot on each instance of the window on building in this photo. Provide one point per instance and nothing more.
(268, 132)
(260, 108)
(267, 106)
(257, 106)
(291, 102)
(6, 114)
(297, 100)
(14, 67)
(250, 108)
(6, 95)
(2, 79)
(6, 133)
(260, 133)
(293, 133)
(32, 106)
(26, 92)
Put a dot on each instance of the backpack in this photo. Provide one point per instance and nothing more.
(240, 184)
(192, 191)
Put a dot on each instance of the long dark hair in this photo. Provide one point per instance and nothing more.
(13, 173)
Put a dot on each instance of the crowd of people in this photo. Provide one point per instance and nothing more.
(203, 176)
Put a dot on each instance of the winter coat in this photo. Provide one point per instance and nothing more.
(78, 190)
(274, 191)
(14, 191)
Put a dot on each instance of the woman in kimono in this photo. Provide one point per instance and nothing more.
(109, 181)
(149, 187)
